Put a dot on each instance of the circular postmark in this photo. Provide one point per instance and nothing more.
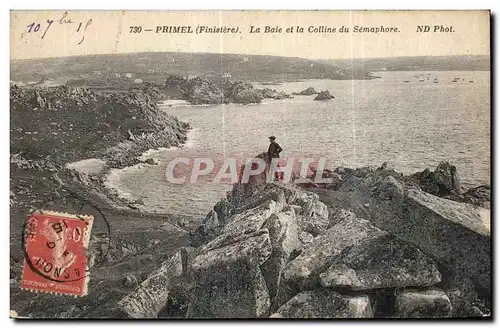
(66, 239)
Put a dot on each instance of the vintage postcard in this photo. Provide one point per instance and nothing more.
(250, 164)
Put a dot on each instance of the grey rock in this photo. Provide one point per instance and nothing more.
(313, 225)
(313, 215)
(430, 303)
(356, 255)
(384, 262)
(456, 235)
(207, 230)
(324, 95)
(228, 282)
(390, 189)
(284, 237)
(152, 294)
(479, 196)
(262, 197)
(325, 304)
(442, 182)
(252, 219)
(476, 312)
(224, 209)
(320, 254)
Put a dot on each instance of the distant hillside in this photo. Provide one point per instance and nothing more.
(156, 65)
(420, 63)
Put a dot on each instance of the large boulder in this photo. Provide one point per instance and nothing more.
(461, 295)
(443, 181)
(312, 214)
(284, 237)
(385, 262)
(252, 219)
(430, 303)
(227, 280)
(207, 230)
(147, 300)
(325, 304)
(455, 234)
(356, 255)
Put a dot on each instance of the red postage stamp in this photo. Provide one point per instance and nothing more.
(55, 253)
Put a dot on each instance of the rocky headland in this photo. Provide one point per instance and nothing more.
(199, 90)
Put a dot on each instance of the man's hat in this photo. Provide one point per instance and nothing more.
(272, 137)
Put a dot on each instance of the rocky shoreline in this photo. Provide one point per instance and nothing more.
(64, 141)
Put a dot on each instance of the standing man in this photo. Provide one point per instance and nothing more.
(273, 151)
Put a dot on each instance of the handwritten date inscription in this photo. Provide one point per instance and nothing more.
(43, 27)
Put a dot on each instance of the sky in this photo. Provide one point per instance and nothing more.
(36, 34)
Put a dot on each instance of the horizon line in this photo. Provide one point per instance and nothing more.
(242, 54)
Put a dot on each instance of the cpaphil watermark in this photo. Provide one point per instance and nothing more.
(182, 170)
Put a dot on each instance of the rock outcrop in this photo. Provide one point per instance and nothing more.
(384, 249)
(200, 90)
(324, 95)
(307, 92)
(273, 94)
(443, 181)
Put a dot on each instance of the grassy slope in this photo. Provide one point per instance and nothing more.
(241, 67)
